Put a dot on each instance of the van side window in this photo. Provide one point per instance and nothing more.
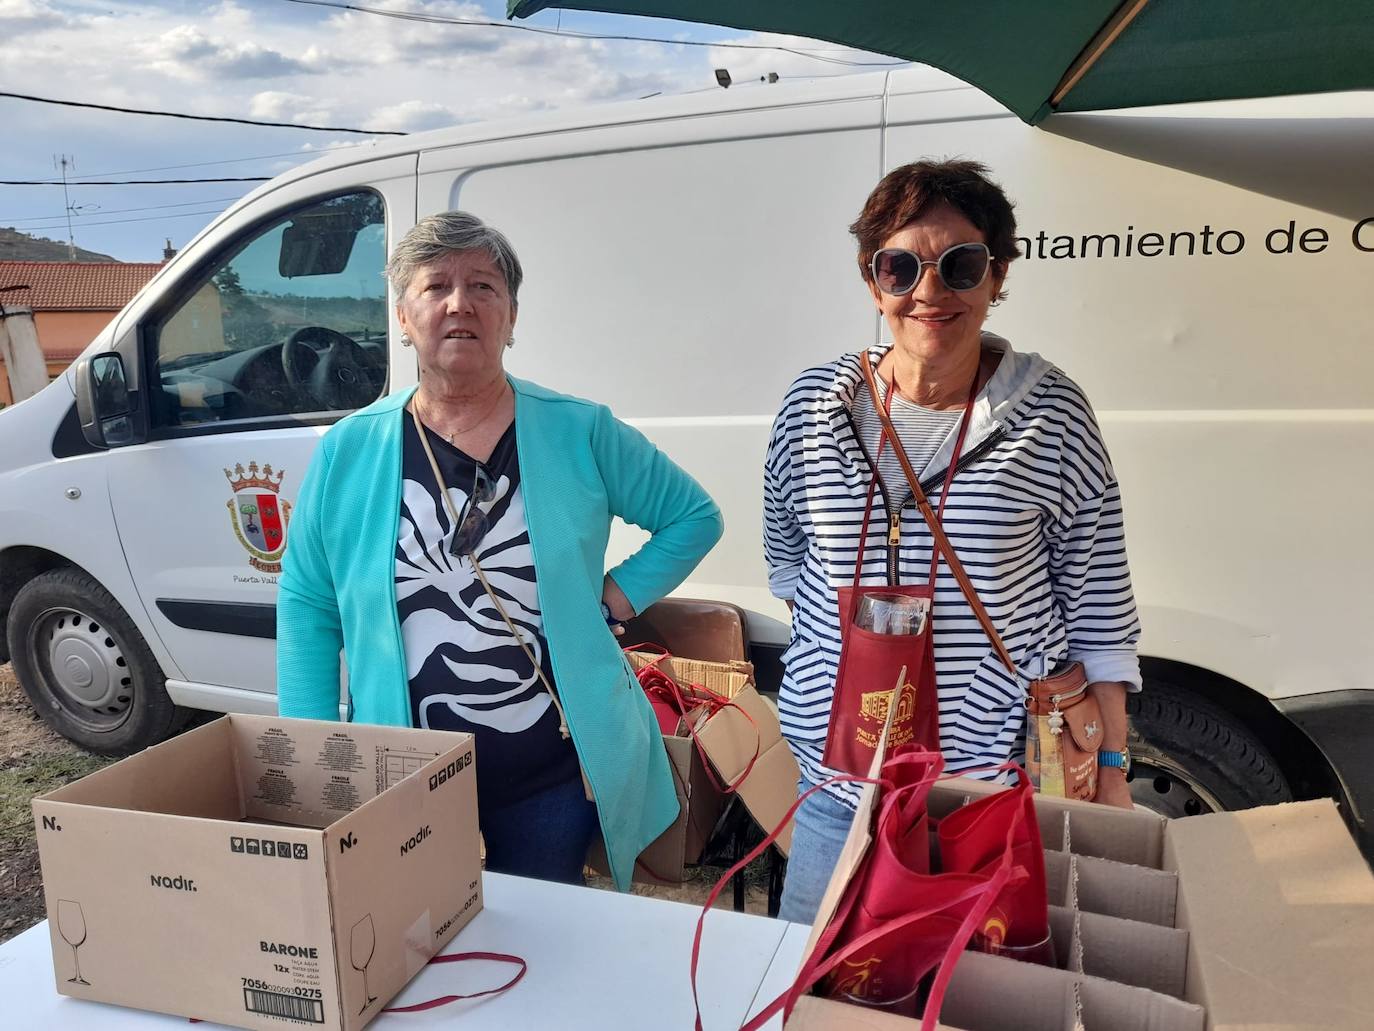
(293, 322)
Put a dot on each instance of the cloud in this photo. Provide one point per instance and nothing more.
(279, 62)
(230, 17)
(411, 116)
(382, 40)
(22, 16)
(276, 106)
(187, 53)
(607, 84)
(508, 105)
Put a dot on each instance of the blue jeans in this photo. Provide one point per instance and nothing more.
(544, 836)
(818, 835)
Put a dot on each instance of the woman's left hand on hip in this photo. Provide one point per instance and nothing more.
(613, 600)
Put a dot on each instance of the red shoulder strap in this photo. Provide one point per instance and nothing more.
(942, 544)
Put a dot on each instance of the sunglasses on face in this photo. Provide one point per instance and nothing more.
(963, 267)
(473, 525)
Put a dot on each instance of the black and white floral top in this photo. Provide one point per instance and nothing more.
(466, 671)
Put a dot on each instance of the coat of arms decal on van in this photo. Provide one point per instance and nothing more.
(259, 515)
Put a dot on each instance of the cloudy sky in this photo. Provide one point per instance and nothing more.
(276, 60)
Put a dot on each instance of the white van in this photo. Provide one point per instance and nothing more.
(1204, 272)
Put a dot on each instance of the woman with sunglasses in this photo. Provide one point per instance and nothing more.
(451, 541)
(1029, 503)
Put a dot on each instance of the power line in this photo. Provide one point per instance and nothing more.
(439, 19)
(196, 164)
(198, 118)
(120, 211)
(123, 221)
(76, 179)
(134, 182)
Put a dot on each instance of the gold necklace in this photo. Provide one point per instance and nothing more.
(500, 396)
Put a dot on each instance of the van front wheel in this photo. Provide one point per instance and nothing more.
(86, 668)
(1190, 757)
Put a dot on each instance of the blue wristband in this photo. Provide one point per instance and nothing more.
(1114, 760)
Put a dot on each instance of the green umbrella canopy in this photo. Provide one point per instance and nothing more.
(1041, 56)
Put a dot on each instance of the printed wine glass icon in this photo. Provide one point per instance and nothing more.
(362, 943)
(71, 924)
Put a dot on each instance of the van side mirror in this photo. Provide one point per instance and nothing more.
(104, 403)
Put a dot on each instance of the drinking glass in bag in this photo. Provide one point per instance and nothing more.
(896, 614)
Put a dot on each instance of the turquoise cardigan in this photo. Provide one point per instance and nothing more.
(579, 466)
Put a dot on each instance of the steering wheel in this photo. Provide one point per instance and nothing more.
(342, 375)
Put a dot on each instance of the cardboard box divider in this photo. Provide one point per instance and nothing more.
(258, 870)
(1027, 996)
(1129, 892)
(1148, 974)
(1110, 888)
(1123, 951)
(1122, 835)
(1058, 878)
(990, 993)
(1105, 1006)
(1133, 953)
(1256, 918)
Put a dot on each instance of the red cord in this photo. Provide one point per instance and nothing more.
(461, 957)
(657, 683)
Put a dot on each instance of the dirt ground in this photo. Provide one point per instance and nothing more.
(33, 759)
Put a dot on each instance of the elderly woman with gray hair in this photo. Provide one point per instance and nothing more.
(451, 541)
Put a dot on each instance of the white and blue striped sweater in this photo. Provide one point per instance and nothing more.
(1034, 514)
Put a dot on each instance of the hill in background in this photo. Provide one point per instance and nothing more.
(17, 246)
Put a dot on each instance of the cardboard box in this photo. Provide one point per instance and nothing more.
(262, 872)
(1262, 918)
(730, 741)
(666, 859)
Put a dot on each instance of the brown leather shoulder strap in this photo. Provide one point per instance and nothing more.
(942, 543)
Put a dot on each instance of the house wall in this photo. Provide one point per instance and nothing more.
(62, 335)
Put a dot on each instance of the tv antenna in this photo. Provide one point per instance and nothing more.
(65, 161)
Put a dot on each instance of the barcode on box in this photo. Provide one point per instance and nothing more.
(287, 1007)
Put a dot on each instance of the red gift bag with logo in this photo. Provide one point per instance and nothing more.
(972, 839)
(870, 660)
(896, 922)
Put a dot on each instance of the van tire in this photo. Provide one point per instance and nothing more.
(85, 667)
(1190, 757)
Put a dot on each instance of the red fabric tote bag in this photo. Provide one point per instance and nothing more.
(907, 916)
(869, 661)
(895, 921)
(973, 838)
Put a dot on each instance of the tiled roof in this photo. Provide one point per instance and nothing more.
(69, 286)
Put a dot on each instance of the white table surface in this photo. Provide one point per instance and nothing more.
(597, 960)
(781, 972)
